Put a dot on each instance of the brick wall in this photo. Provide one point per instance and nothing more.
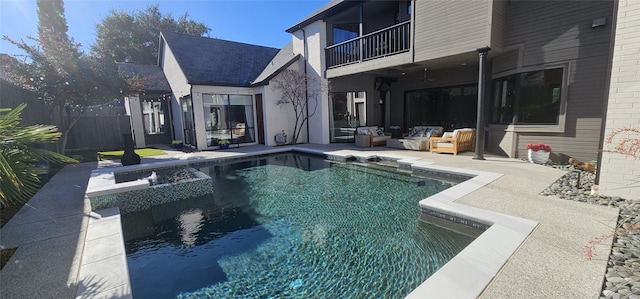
(620, 165)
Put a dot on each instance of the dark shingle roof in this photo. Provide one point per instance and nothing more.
(153, 79)
(282, 60)
(208, 61)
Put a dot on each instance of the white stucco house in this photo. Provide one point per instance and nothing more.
(211, 90)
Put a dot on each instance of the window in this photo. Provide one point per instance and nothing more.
(345, 32)
(528, 98)
(228, 117)
(348, 110)
(451, 107)
(153, 112)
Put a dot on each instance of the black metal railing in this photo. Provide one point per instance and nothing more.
(388, 41)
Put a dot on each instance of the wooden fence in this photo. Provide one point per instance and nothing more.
(99, 132)
(100, 128)
(36, 111)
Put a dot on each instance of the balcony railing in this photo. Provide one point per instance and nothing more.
(389, 41)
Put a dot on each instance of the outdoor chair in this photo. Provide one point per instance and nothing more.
(454, 142)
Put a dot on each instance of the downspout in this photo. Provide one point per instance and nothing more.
(193, 119)
(607, 90)
(413, 32)
(306, 87)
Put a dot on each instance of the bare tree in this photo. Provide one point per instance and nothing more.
(302, 93)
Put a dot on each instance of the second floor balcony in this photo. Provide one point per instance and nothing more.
(381, 43)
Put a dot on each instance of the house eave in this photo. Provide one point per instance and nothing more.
(212, 83)
(272, 75)
(324, 11)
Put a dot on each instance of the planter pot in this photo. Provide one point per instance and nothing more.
(539, 157)
(224, 146)
(177, 145)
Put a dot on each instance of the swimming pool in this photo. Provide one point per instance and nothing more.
(321, 229)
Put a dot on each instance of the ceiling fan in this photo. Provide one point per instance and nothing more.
(425, 78)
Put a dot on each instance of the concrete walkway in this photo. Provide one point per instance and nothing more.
(50, 230)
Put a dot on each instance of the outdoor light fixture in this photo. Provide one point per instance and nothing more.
(599, 22)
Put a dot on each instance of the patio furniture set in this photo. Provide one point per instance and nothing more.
(420, 138)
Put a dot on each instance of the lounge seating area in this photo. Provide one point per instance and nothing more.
(459, 140)
(420, 138)
(417, 139)
(371, 136)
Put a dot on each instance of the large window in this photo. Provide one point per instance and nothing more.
(451, 107)
(228, 117)
(528, 98)
(345, 32)
(153, 115)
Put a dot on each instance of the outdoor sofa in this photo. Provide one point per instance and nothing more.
(417, 140)
(370, 136)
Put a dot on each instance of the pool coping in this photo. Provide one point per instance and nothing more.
(464, 276)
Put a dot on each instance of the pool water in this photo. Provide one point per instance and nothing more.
(318, 230)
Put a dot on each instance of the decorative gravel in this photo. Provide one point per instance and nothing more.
(622, 279)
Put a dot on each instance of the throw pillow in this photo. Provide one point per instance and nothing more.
(380, 131)
(364, 131)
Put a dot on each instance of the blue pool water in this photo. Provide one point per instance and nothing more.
(317, 230)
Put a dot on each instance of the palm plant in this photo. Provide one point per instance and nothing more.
(20, 160)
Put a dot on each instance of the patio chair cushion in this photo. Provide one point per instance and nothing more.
(425, 131)
(374, 131)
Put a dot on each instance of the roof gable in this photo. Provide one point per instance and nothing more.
(208, 61)
(282, 60)
(153, 79)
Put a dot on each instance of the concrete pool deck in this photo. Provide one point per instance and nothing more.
(50, 234)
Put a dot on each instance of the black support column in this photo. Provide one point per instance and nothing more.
(479, 154)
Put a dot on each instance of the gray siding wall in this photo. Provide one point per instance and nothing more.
(557, 32)
(445, 28)
(497, 24)
(506, 62)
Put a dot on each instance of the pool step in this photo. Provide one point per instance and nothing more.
(383, 171)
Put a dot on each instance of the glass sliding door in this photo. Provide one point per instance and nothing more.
(228, 117)
(347, 112)
(450, 107)
(241, 117)
(215, 118)
(187, 121)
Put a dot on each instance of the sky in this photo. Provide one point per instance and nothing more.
(259, 22)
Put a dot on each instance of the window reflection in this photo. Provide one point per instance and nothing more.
(348, 111)
(528, 98)
(153, 116)
(228, 117)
